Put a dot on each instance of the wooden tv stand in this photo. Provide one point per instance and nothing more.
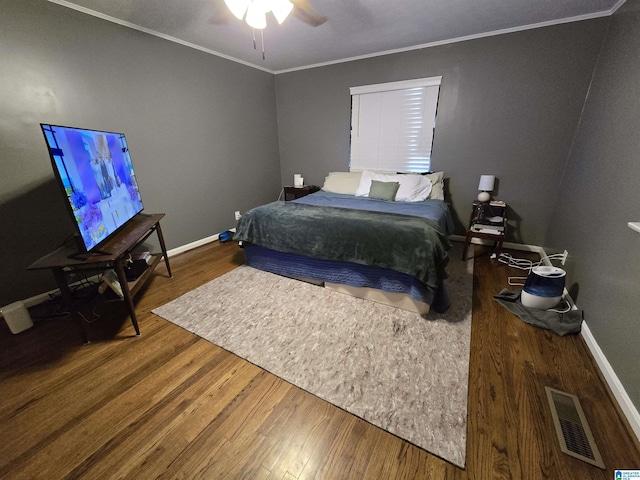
(114, 254)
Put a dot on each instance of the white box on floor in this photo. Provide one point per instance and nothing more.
(17, 317)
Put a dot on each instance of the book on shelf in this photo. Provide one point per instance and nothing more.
(484, 228)
(495, 221)
(146, 256)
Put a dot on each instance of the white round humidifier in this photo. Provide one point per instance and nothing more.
(543, 288)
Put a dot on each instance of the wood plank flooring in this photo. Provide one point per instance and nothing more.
(171, 405)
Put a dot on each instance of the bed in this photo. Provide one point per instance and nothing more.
(366, 234)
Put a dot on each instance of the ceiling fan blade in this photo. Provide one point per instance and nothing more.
(304, 11)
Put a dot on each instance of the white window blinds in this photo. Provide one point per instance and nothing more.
(392, 125)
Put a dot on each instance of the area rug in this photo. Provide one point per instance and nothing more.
(398, 370)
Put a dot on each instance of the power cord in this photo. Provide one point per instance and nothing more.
(526, 264)
(83, 286)
(563, 310)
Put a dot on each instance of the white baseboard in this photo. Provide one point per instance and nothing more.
(192, 245)
(514, 246)
(624, 401)
(628, 408)
(196, 244)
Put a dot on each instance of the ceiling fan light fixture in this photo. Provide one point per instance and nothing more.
(281, 9)
(238, 7)
(256, 16)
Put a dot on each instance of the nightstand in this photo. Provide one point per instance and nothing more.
(488, 221)
(291, 193)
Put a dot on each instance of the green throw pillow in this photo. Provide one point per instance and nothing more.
(383, 190)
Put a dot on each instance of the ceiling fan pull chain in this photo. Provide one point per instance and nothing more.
(262, 38)
(253, 30)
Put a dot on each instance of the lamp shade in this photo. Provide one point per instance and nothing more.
(486, 183)
(256, 16)
(238, 7)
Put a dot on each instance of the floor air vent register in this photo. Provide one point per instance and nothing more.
(571, 426)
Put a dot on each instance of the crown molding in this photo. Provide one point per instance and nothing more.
(504, 31)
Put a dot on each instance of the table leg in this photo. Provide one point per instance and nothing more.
(467, 240)
(164, 249)
(122, 278)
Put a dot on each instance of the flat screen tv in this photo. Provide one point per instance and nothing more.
(95, 172)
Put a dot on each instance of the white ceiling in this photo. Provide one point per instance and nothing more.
(355, 28)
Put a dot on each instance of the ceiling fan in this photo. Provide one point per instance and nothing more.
(254, 12)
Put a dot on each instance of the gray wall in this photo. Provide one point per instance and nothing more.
(508, 106)
(599, 195)
(200, 128)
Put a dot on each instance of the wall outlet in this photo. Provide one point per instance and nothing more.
(238, 215)
(564, 257)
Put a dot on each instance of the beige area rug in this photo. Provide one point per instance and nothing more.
(402, 372)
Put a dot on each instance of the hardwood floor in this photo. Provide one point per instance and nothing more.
(171, 405)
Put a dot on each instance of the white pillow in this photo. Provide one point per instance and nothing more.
(437, 182)
(365, 183)
(413, 188)
(437, 179)
(342, 182)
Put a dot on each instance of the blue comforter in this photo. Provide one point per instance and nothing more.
(405, 237)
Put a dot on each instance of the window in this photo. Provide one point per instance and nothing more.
(392, 125)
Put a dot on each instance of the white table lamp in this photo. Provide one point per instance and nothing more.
(485, 186)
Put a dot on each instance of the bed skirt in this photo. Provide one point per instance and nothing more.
(346, 273)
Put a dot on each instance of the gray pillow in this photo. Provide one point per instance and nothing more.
(383, 190)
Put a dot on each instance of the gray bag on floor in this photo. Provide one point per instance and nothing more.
(560, 323)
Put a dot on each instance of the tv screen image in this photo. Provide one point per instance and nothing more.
(95, 171)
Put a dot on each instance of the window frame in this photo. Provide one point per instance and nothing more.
(404, 164)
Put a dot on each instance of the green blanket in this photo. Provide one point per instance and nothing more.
(407, 244)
